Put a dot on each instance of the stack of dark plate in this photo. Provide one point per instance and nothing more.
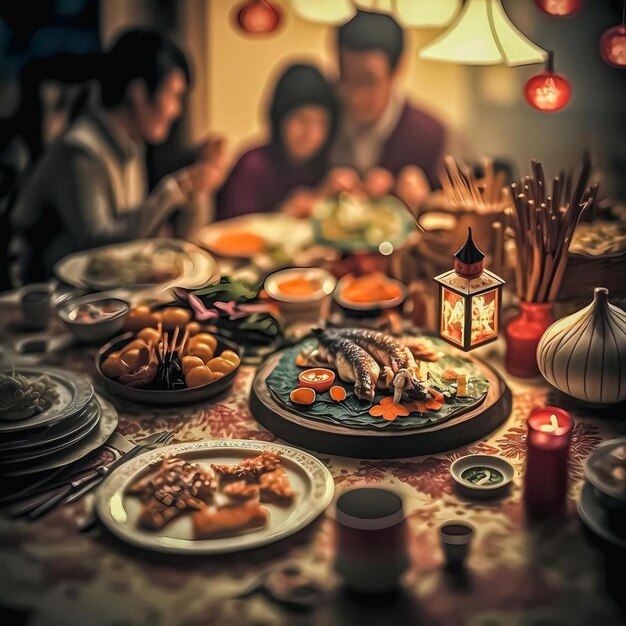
(48, 419)
(602, 503)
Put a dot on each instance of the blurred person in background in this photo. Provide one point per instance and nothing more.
(287, 171)
(90, 186)
(383, 142)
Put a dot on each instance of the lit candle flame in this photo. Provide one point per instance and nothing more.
(552, 426)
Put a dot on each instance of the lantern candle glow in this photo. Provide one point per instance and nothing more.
(469, 300)
(548, 442)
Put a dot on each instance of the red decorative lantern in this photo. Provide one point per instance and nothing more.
(613, 43)
(258, 17)
(548, 91)
(560, 8)
(469, 300)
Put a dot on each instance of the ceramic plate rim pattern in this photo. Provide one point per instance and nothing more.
(494, 460)
(73, 438)
(590, 474)
(587, 507)
(320, 480)
(106, 425)
(78, 385)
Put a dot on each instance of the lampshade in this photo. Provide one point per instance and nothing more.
(483, 34)
(377, 6)
(324, 11)
(426, 13)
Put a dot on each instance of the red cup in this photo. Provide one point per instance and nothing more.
(371, 540)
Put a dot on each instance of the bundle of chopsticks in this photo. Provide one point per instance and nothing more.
(462, 191)
(164, 348)
(543, 222)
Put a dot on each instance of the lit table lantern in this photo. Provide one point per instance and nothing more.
(548, 442)
(469, 300)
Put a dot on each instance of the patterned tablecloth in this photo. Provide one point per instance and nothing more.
(519, 572)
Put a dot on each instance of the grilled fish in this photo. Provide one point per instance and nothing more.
(387, 350)
(353, 363)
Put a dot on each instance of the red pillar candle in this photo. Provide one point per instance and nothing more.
(522, 335)
(548, 440)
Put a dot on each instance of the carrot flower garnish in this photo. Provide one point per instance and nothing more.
(388, 410)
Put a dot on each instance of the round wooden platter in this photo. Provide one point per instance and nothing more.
(318, 436)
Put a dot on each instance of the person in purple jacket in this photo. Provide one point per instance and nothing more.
(286, 173)
(382, 140)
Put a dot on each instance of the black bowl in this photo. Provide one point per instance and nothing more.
(163, 397)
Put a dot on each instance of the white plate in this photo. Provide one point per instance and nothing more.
(30, 454)
(106, 425)
(596, 518)
(275, 228)
(48, 434)
(194, 261)
(309, 478)
(74, 391)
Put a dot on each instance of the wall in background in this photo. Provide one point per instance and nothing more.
(483, 107)
(242, 71)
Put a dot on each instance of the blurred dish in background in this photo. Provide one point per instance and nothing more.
(301, 294)
(141, 264)
(372, 293)
(354, 223)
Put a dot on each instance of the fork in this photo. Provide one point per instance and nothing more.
(36, 507)
(89, 520)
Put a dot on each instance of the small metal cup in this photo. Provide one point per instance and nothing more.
(456, 538)
(36, 306)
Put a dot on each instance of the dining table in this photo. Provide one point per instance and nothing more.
(520, 570)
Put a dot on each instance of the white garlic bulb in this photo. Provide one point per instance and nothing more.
(584, 354)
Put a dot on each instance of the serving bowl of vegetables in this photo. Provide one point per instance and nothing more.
(154, 366)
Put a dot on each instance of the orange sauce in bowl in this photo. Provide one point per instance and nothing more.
(238, 243)
(298, 286)
(369, 289)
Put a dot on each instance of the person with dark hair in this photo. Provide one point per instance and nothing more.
(285, 172)
(90, 186)
(385, 139)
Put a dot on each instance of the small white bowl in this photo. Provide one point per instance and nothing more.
(307, 305)
(98, 329)
(460, 467)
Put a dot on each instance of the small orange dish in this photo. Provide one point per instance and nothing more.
(318, 378)
(372, 292)
(338, 393)
(303, 395)
(298, 286)
(238, 244)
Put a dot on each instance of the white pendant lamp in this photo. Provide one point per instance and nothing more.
(426, 13)
(376, 6)
(324, 11)
(483, 34)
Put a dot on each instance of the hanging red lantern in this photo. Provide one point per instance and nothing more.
(548, 91)
(560, 8)
(613, 43)
(258, 17)
(613, 46)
